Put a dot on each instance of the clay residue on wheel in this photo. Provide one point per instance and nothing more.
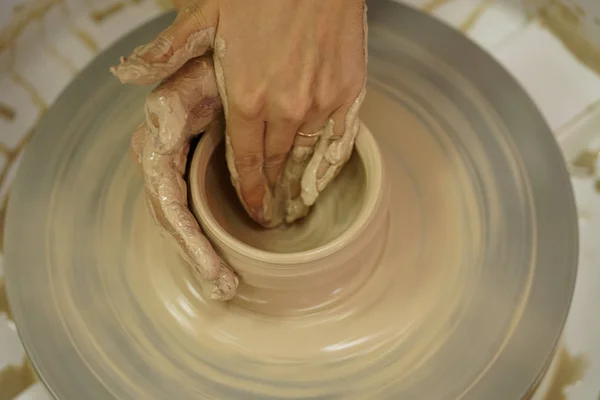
(568, 371)
(585, 163)
(338, 207)
(4, 306)
(7, 112)
(15, 379)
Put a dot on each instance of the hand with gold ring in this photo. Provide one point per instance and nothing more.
(282, 67)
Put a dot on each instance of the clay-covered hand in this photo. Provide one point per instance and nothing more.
(291, 75)
(181, 107)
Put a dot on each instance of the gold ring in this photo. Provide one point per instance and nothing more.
(309, 135)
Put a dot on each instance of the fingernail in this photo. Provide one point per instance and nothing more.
(258, 215)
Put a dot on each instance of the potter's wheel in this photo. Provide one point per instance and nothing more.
(486, 247)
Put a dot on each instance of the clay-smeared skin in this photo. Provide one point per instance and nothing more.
(266, 189)
(174, 115)
(177, 110)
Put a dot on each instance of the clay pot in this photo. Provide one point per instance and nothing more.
(311, 264)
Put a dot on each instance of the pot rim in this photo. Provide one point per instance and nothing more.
(370, 156)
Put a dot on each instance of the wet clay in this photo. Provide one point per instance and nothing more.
(329, 254)
(4, 306)
(303, 235)
(308, 170)
(176, 111)
(15, 379)
(568, 371)
(183, 106)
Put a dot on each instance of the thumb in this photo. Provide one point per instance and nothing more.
(189, 36)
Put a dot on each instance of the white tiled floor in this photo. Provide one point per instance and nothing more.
(560, 85)
(12, 351)
(10, 93)
(498, 24)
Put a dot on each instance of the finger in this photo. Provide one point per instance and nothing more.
(341, 141)
(194, 87)
(309, 192)
(303, 147)
(333, 142)
(309, 134)
(339, 121)
(306, 141)
(225, 285)
(137, 143)
(341, 147)
(190, 35)
(166, 191)
(175, 114)
(335, 145)
(245, 143)
(279, 138)
(337, 155)
(330, 153)
(290, 183)
(314, 123)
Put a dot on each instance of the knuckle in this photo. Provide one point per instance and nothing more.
(246, 104)
(327, 96)
(206, 107)
(353, 91)
(248, 161)
(292, 108)
(325, 100)
(247, 109)
(275, 160)
(302, 153)
(354, 85)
